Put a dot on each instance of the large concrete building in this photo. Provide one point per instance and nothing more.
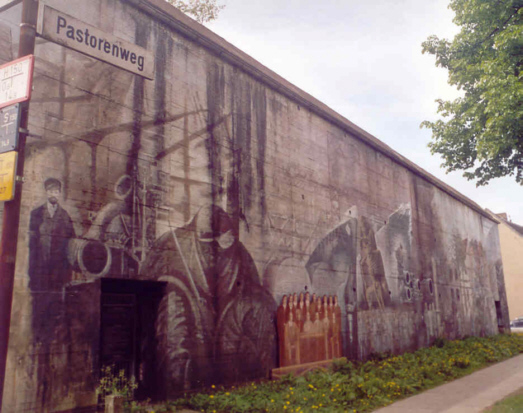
(165, 216)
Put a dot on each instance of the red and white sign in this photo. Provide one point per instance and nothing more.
(16, 79)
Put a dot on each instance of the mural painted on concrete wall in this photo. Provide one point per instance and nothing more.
(216, 321)
(351, 249)
(229, 332)
(394, 240)
(120, 234)
(176, 190)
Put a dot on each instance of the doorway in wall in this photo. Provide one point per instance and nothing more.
(127, 331)
(499, 316)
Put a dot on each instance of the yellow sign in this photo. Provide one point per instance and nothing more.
(7, 175)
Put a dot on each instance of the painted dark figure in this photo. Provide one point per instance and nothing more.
(216, 321)
(334, 261)
(50, 229)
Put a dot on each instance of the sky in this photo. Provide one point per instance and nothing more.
(363, 59)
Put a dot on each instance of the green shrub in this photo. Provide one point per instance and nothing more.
(358, 387)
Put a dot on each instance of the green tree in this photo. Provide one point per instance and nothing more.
(201, 10)
(481, 132)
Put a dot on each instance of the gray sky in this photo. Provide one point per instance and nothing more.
(363, 59)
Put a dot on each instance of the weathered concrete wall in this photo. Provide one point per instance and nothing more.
(219, 194)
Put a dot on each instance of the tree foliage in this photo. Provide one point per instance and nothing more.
(482, 131)
(201, 10)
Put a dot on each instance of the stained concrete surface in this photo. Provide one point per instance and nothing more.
(219, 187)
(470, 394)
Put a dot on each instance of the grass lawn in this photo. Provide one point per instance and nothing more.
(511, 404)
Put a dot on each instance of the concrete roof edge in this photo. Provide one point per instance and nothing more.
(494, 216)
(191, 29)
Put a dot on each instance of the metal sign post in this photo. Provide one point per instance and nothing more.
(11, 216)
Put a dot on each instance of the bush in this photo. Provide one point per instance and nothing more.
(359, 387)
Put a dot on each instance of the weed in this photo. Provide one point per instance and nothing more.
(113, 383)
(357, 387)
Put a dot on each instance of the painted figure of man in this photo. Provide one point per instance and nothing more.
(50, 229)
(215, 323)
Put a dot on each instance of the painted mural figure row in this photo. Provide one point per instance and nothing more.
(309, 329)
(215, 321)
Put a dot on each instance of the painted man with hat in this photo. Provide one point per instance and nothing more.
(50, 229)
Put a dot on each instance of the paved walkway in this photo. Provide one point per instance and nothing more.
(470, 394)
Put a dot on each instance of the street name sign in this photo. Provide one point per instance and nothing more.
(16, 79)
(63, 29)
(9, 125)
(7, 175)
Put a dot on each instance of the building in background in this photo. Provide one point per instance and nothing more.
(201, 187)
(511, 239)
